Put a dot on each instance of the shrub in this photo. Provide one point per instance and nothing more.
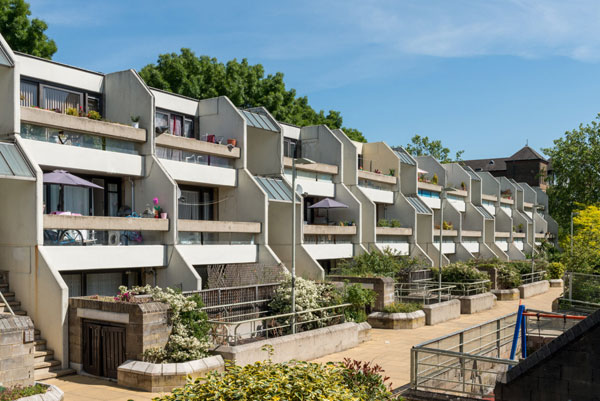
(556, 270)
(360, 298)
(395, 223)
(14, 393)
(402, 307)
(434, 179)
(380, 264)
(292, 381)
(366, 380)
(72, 111)
(94, 115)
(460, 273)
(382, 223)
(508, 277)
(189, 337)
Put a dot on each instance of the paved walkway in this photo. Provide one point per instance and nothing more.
(391, 348)
(388, 348)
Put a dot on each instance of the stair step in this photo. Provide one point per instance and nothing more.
(20, 313)
(40, 345)
(52, 373)
(43, 356)
(12, 304)
(37, 337)
(37, 332)
(46, 364)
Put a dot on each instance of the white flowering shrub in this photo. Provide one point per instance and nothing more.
(189, 338)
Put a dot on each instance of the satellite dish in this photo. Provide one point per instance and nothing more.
(299, 190)
(178, 192)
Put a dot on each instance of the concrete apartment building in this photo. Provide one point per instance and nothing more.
(222, 177)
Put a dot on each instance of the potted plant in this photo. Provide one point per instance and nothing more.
(447, 225)
(135, 121)
(520, 227)
(463, 186)
(94, 115)
(72, 111)
(434, 179)
(392, 172)
(377, 171)
(232, 142)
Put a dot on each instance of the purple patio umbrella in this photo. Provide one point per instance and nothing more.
(328, 203)
(62, 178)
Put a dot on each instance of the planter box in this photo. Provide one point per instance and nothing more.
(511, 294)
(364, 332)
(441, 312)
(53, 393)
(396, 321)
(476, 303)
(533, 289)
(301, 346)
(164, 377)
(556, 283)
(383, 286)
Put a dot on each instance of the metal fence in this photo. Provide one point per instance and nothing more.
(419, 275)
(244, 302)
(466, 362)
(581, 292)
(533, 277)
(423, 292)
(230, 331)
(463, 288)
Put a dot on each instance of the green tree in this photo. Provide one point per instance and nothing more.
(422, 145)
(586, 242)
(575, 161)
(246, 85)
(22, 33)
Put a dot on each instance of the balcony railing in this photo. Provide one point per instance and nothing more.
(101, 223)
(447, 233)
(471, 233)
(491, 198)
(318, 229)
(196, 146)
(216, 226)
(393, 231)
(370, 176)
(53, 119)
(313, 167)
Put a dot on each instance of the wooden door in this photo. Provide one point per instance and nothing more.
(103, 348)
(91, 348)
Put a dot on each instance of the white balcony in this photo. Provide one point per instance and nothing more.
(433, 203)
(200, 173)
(471, 246)
(78, 159)
(529, 213)
(66, 258)
(315, 188)
(103, 223)
(447, 247)
(459, 205)
(402, 248)
(503, 245)
(507, 209)
(216, 226)
(376, 177)
(396, 231)
(519, 244)
(378, 195)
(194, 145)
(330, 251)
(321, 229)
(491, 209)
(219, 253)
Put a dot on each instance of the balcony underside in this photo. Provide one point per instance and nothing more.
(330, 251)
(65, 258)
(219, 254)
(200, 174)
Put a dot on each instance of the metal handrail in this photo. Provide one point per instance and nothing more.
(255, 332)
(527, 278)
(422, 290)
(6, 303)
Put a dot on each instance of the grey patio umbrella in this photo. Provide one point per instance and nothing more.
(62, 178)
(328, 203)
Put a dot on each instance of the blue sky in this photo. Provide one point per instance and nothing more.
(484, 76)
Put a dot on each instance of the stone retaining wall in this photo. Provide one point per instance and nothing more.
(383, 286)
(164, 377)
(533, 289)
(557, 282)
(16, 351)
(441, 312)
(302, 346)
(477, 303)
(395, 321)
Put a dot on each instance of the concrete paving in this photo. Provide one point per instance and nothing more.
(388, 348)
(391, 348)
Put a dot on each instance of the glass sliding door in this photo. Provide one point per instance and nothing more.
(60, 99)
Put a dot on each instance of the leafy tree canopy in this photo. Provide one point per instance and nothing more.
(575, 161)
(24, 34)
(586, 242)
(245, 84)
(422, 145)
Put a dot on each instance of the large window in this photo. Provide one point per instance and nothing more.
(291, 147)
(100, 282)
(55, 97)
(197, 203)
(175, 124)
(85, 201)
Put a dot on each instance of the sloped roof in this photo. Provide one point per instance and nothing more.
(494, 164)
(527, 153)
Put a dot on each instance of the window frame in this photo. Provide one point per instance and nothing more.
(184, 118)
(82, 92)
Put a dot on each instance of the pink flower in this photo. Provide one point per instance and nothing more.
(155, 200)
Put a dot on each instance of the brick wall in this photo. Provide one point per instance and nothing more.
(383, 287)
(16, 351)
(567, 368)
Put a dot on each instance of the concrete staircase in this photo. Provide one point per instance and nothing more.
(46, 367)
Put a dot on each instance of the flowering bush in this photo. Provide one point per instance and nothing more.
(367, 380)
(189, 338)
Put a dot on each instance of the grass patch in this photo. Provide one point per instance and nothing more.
(403, 307)
(14, 393)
